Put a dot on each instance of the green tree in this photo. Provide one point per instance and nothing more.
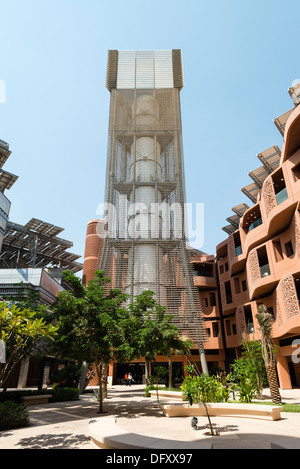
(159, 373)
(22, 333)
(67, 377)
(248, 372)
(265, 321)
(90, 320)
(149, 331)
(252, 352)
(244, 378)
(203, 389)
(28, 298)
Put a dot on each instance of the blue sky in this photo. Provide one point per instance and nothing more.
(239, 58)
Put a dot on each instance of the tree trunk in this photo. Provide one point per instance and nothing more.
(170, 371)
(83, 378)
(146, 371)
(157, 395)
(273, 383)
(212, 432)
(99, 374)
(105, 370)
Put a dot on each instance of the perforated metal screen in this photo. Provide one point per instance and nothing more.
(146, 244)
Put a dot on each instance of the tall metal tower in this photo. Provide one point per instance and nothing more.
(145, 246)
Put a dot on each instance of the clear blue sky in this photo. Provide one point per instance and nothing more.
(240, 57)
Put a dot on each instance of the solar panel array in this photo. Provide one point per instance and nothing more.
(36, 244)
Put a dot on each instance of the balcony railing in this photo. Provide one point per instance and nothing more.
(265, 271)
(238, 250)
(281, 196)
(255, 224)
(202, 273)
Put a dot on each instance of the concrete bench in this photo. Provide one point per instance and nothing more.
(39, 399)
(224, 409)
(167, 395)
(106, 434)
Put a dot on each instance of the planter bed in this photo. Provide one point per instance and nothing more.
(224, 409)
(167, 394)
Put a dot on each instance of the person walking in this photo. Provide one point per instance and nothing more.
(129, 379)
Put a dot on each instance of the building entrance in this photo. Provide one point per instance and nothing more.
(136, 369)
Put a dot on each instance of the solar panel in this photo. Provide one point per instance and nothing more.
(281, 121)
(33, 243)
(240, 209)
(7, 180)
(251, 191)
(270, 158)
(259, 175)
(234, 220)
(229, 229)
(294, 93)
(4, 152)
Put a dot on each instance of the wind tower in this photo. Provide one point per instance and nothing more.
(145, 245)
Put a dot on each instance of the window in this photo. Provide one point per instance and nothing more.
(208, 332)
(296, 172)
(289, 249)
(237, 285)
(179, 300)
(297, 287)
(249, 319)
(226, 266)
(279, 187)
(228, 292)
(237, 244)
(205, 302)
(215, 326)
(228, 328)
(203, 270)
(221, 269)
(277, 250)
(212, 299)
(244, 285)
(263, 262)
(234, 329)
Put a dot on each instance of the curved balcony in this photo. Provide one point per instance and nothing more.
(291, 142)
(261, 278)
(272, 214)
(205, 282)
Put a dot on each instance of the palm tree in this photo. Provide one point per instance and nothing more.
(265, 321)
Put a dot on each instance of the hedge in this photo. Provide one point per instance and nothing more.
(13, 415)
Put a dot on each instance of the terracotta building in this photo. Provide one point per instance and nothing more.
(259, 261)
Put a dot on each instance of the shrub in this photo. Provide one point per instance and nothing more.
(64, 394)
(58, 394)
(13, 415)
(244, 376)
(16, 396)
(151, 387)
(205, 388)
(68, 377)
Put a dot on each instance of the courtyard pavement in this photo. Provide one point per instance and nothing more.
(65, 425)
